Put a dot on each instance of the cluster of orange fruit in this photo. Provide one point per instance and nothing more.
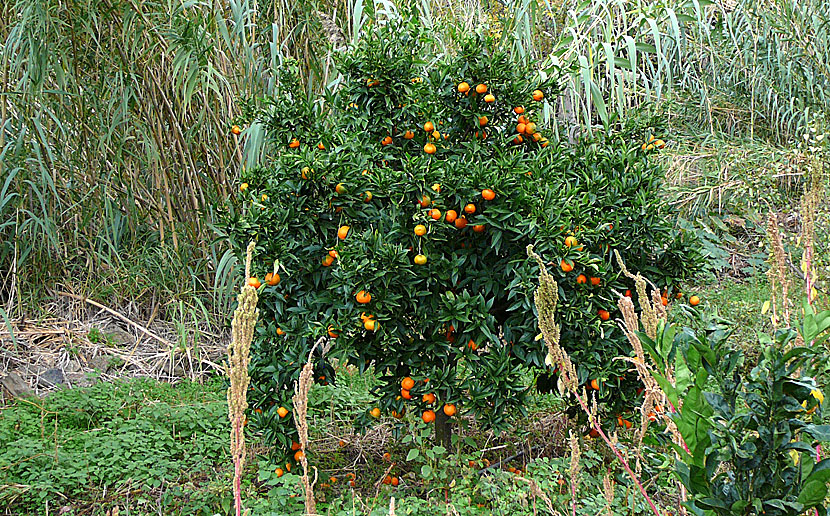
(428, 415)
(451, 216)
(527, 129)
(653, 143)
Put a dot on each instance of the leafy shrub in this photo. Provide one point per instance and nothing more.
(461, 324)
(750, 437)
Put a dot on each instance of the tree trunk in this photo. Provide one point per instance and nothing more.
(443, 430)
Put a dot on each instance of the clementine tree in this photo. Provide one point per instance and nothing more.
(400, 223)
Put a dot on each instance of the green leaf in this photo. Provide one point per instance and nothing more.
(426, 471)
(813, 493)
(413, 454)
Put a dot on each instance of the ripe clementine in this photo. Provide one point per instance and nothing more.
(538, 95)
(420, 230)
(282, 411)
(470, 209)
(340, 188)
(581, 279)
(519, 110)
(523, 120)
(472, 345)
(429, 398)
(429, 127)
(363, 297)
(294, 143)
(387, 140)
(482, 121)
(449, 409)
(520, 127)
(595, 384)
(451, 216)
(298, 456)
(254, 282)
(530, 128)
(343, 232)
(463, 87)
(694, 300)
(371, 325)
(425, 201)
(395, 481)
(408, 383)
(280, 331)
(321, 146)
(517, 140)
(375, 412)
(327, 261)
(429, 148)
(428, 416)
(603, 314)
(243, 187)
(627, 293)
(367, 196)
(595, 281)
(435, 214)
(489, 98)
(479, 228)
(331, 332)
(405, 394)
(488, 195)
(566, 266)
(461, 222)
(408, 135)
(272, 279)
(481, 89)
(420, 259)
(571, 241)
(236, 130)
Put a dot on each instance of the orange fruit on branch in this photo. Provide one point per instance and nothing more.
(581, 279)
(470, 209)
(566, 266)
(694, 300)
(488, 195)
(272, 279)
(463, 87)
(451, 216)
(343, 232)
(408, 135)
(489, 98)
(449, 409)
(363, 297)
(428, 416)
(461, 222)
(603, 314)
(481, 89)
(282, 411)
(254, 282)
(407, 383)
(420, 230)
(420, 259)
(429, 148)
(429, 127)
(519, 110)
(538, 95)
